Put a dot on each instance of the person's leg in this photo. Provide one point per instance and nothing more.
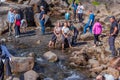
(74, 12)
(68, 39)
(90, 29)
(42, 26)
(7, 67)
(95, 39)
(85, 28)
(1, 70)
(112, 45)
(18, 30)
(15, 29)
(63, 42)
(81, 19)
(10, 29)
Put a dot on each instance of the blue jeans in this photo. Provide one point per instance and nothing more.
(7, 67)
(17, 30)
(42, 26)
(87, 26)
(112, 44)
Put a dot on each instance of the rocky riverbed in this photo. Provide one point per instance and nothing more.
(33, 58)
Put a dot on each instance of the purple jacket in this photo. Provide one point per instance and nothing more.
(97, 28)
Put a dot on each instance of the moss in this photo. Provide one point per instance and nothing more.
(77, 1)
(95, 3)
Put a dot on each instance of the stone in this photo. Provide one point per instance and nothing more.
(22, 64)
(112, 71)
(50, 56)
(87, 36)
(38, 42)
(14, 78)
(94, 63)
(31, 75)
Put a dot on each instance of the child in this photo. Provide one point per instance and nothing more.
(97, 30)
(57, 32)
(67, 15)
(65, 35)
(23, 25)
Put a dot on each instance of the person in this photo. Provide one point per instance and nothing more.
(100, 77)
(42, 20)
(80, 10)
(67, 15)
(113, 34)
(56, 33)
(10, 18)
(23, 25)
(97, 30)
(74, 32)
(17, 24)
(65, 35)
(119, 25)
(5, 58)
(74, 6)
(90, 22)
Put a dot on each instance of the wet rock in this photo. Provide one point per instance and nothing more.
(31, 75)
(48, 79)
(22, 64)
(50, 56)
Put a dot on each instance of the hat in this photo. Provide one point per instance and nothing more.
(113, 17)
(42, 7)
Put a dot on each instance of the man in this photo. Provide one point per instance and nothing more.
(113, 34)
(90, 22)
(10, 19)
(42, 19)
(74, 6)
(5, 57)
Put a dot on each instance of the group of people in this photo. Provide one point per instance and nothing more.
(15, 23)
(65, 32)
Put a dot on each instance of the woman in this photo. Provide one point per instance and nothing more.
(57, 32)
(97, 30)
(17, 24)
(80, 10)
(65, 35)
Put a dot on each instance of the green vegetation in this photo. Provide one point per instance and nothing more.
(95, 3)
(77, 1)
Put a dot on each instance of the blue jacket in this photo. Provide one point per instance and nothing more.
(91, 17)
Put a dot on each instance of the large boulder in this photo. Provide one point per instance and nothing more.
(31, 75)
(50, 56)
(22, 64)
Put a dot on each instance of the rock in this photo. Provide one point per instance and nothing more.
(22, 64)
(94, 63)
(48, 79)
(3, 40)
(87, 36)
(38, 42)
(112, 71)
(50, 56)
(31, 75)
(14, 78)
(98, 69)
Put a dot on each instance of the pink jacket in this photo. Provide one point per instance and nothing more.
(97, 28)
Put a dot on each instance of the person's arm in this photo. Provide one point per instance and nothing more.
(43, 17)
(115, 30)
(5, 51)
(55, 31)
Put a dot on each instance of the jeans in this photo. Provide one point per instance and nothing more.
(17, 30)
(80, 17)
(42, 26)
(74, 38)
(96, 38)
(87, 26)
(7, 68)
(112, 45)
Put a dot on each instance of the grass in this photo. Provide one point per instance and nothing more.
(77, 1)
(95, 3)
